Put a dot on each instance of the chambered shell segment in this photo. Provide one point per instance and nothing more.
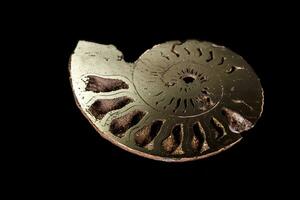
(179, 101)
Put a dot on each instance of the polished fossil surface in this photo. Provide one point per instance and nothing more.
(178, 101)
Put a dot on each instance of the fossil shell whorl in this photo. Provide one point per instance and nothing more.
(178, 101)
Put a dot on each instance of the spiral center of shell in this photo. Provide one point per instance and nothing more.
(181, 87)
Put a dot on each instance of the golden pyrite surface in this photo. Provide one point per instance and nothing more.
(178, 101)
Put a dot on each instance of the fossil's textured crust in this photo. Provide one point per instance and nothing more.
(179, 101)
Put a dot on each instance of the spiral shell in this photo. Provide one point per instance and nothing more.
(178, 101)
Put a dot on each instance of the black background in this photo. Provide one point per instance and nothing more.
(66, 149)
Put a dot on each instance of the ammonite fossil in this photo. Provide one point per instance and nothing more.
(178, 101)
